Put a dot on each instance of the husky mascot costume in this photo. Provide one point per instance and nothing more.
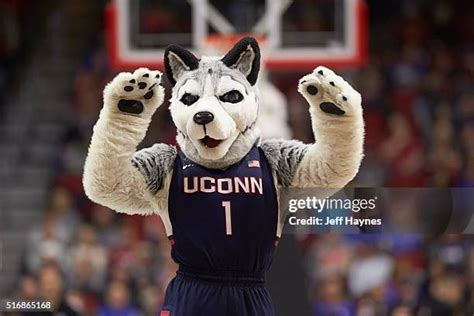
(217, 194)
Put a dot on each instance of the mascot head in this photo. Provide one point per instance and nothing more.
(214, 102)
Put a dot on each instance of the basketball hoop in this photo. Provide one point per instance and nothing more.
(345, 46)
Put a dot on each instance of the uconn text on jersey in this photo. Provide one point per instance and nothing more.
(247, 185)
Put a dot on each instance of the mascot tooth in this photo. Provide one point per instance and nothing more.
(217, 194)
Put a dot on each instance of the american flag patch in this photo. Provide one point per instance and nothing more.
(254, 164)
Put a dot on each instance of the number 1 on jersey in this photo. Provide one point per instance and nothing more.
(228, 218)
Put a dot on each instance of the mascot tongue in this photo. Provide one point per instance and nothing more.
(210, 142)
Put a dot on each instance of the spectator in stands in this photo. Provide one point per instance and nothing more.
(117, 301)
(62, 208)
(151, 299)
(403, 154)
(332, 297)
(28, 288)
(52, 289)
(87, 262)
(45, 245)
(402, 310)
(105, 226)
(446, 296)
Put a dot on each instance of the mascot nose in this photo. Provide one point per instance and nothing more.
(203, 117)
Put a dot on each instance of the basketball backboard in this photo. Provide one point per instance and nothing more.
(293, 34)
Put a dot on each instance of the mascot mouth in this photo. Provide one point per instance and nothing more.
(210, 142)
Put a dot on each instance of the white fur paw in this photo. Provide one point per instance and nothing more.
(135, 93)
(328, 91)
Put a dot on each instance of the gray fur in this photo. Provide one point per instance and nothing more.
(284, 157)
(215, 68)
(155, 163)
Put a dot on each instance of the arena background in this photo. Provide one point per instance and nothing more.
(418, 92)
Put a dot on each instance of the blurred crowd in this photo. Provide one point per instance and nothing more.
(418, 96)
(391, 274)
(86, 259)
(418, 92)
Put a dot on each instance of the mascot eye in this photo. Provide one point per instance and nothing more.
(233, 96)
(189, 98)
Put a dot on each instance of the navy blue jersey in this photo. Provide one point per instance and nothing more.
(224, 226)
(223, 221)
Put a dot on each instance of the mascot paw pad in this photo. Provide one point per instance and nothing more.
(130, 106)
(331, 108)
(312, 90)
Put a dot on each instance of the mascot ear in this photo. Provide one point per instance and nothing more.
(245, 57)
(178, 60)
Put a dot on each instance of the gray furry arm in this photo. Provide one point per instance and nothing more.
(338, 127)
(114, 174)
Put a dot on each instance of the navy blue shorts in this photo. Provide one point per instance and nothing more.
(191, 294)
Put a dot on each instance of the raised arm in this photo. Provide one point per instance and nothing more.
(114, 174)
(338, 127)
